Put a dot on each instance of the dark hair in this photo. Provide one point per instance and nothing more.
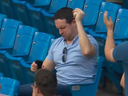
(64, 13)
(46, 82)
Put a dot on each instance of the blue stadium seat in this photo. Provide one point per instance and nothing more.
(121, 29)
(1, 74)
(88, 89)
(39, 49)
(49, 23)
(6, 8)
(76, 4)
(21, 49)
(91, 9)
(30, 1)
(8, 34)
(112, 12)
(9, 86)
(56, 5)
(2, 16)
(35, 18)
(20, 11)
(41, 2)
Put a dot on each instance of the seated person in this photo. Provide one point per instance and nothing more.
(45, 83)
(74, 55)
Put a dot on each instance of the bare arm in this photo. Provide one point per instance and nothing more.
(110, 44)
(48, 64)
(86, 47)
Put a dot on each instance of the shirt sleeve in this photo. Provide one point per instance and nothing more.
(120, 52)
(50, 52)
(94, 43)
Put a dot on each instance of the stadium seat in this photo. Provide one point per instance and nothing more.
(76, 4)
(120, 29)
(91, 9)
(6, 8)
(9, 86)
(1, 74)
(20, 11)
(30, 1)
(56, 5)
(21, 48)
(35, 18)
(88, 89)
(41, 3)
(2, 16)
(8, 34)
(40, 46)
(112, 12)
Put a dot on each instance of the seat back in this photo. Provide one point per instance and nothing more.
(8, 33)
(76, 4)
(6, 8)
(91, 9)
(56, 5)
(20, 11)
(41, 2)
(2, 16)
(9, 86)
(23, 40)
(112, 12)
(121, 28)
(40, 46)
(35, 17)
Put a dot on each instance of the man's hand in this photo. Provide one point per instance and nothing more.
(78, 15)
(34, 90)
(108, 23)
(34, 67)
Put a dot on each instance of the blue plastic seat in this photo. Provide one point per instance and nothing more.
(21, 49)
(1, 74)
(20, 11)
(112, 12)
(91, 9)
(120, 29)
(88, 89)
(8, 34)
(56, 5)
(9, 86)
(35, 18)
(125, 66)
(40, 46)
(2, 16)
(6, 8)
(76, 4)
(41, 2)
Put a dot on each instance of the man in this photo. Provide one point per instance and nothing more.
(45, 83)
(74, 55)
(115, 53)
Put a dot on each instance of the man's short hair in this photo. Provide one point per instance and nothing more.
(64, 13)
(46, 82)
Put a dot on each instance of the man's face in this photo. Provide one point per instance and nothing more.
(65, 29)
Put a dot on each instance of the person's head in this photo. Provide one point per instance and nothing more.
(65, 22)
(45, 83)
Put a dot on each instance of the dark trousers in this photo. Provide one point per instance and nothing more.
(26, 90)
